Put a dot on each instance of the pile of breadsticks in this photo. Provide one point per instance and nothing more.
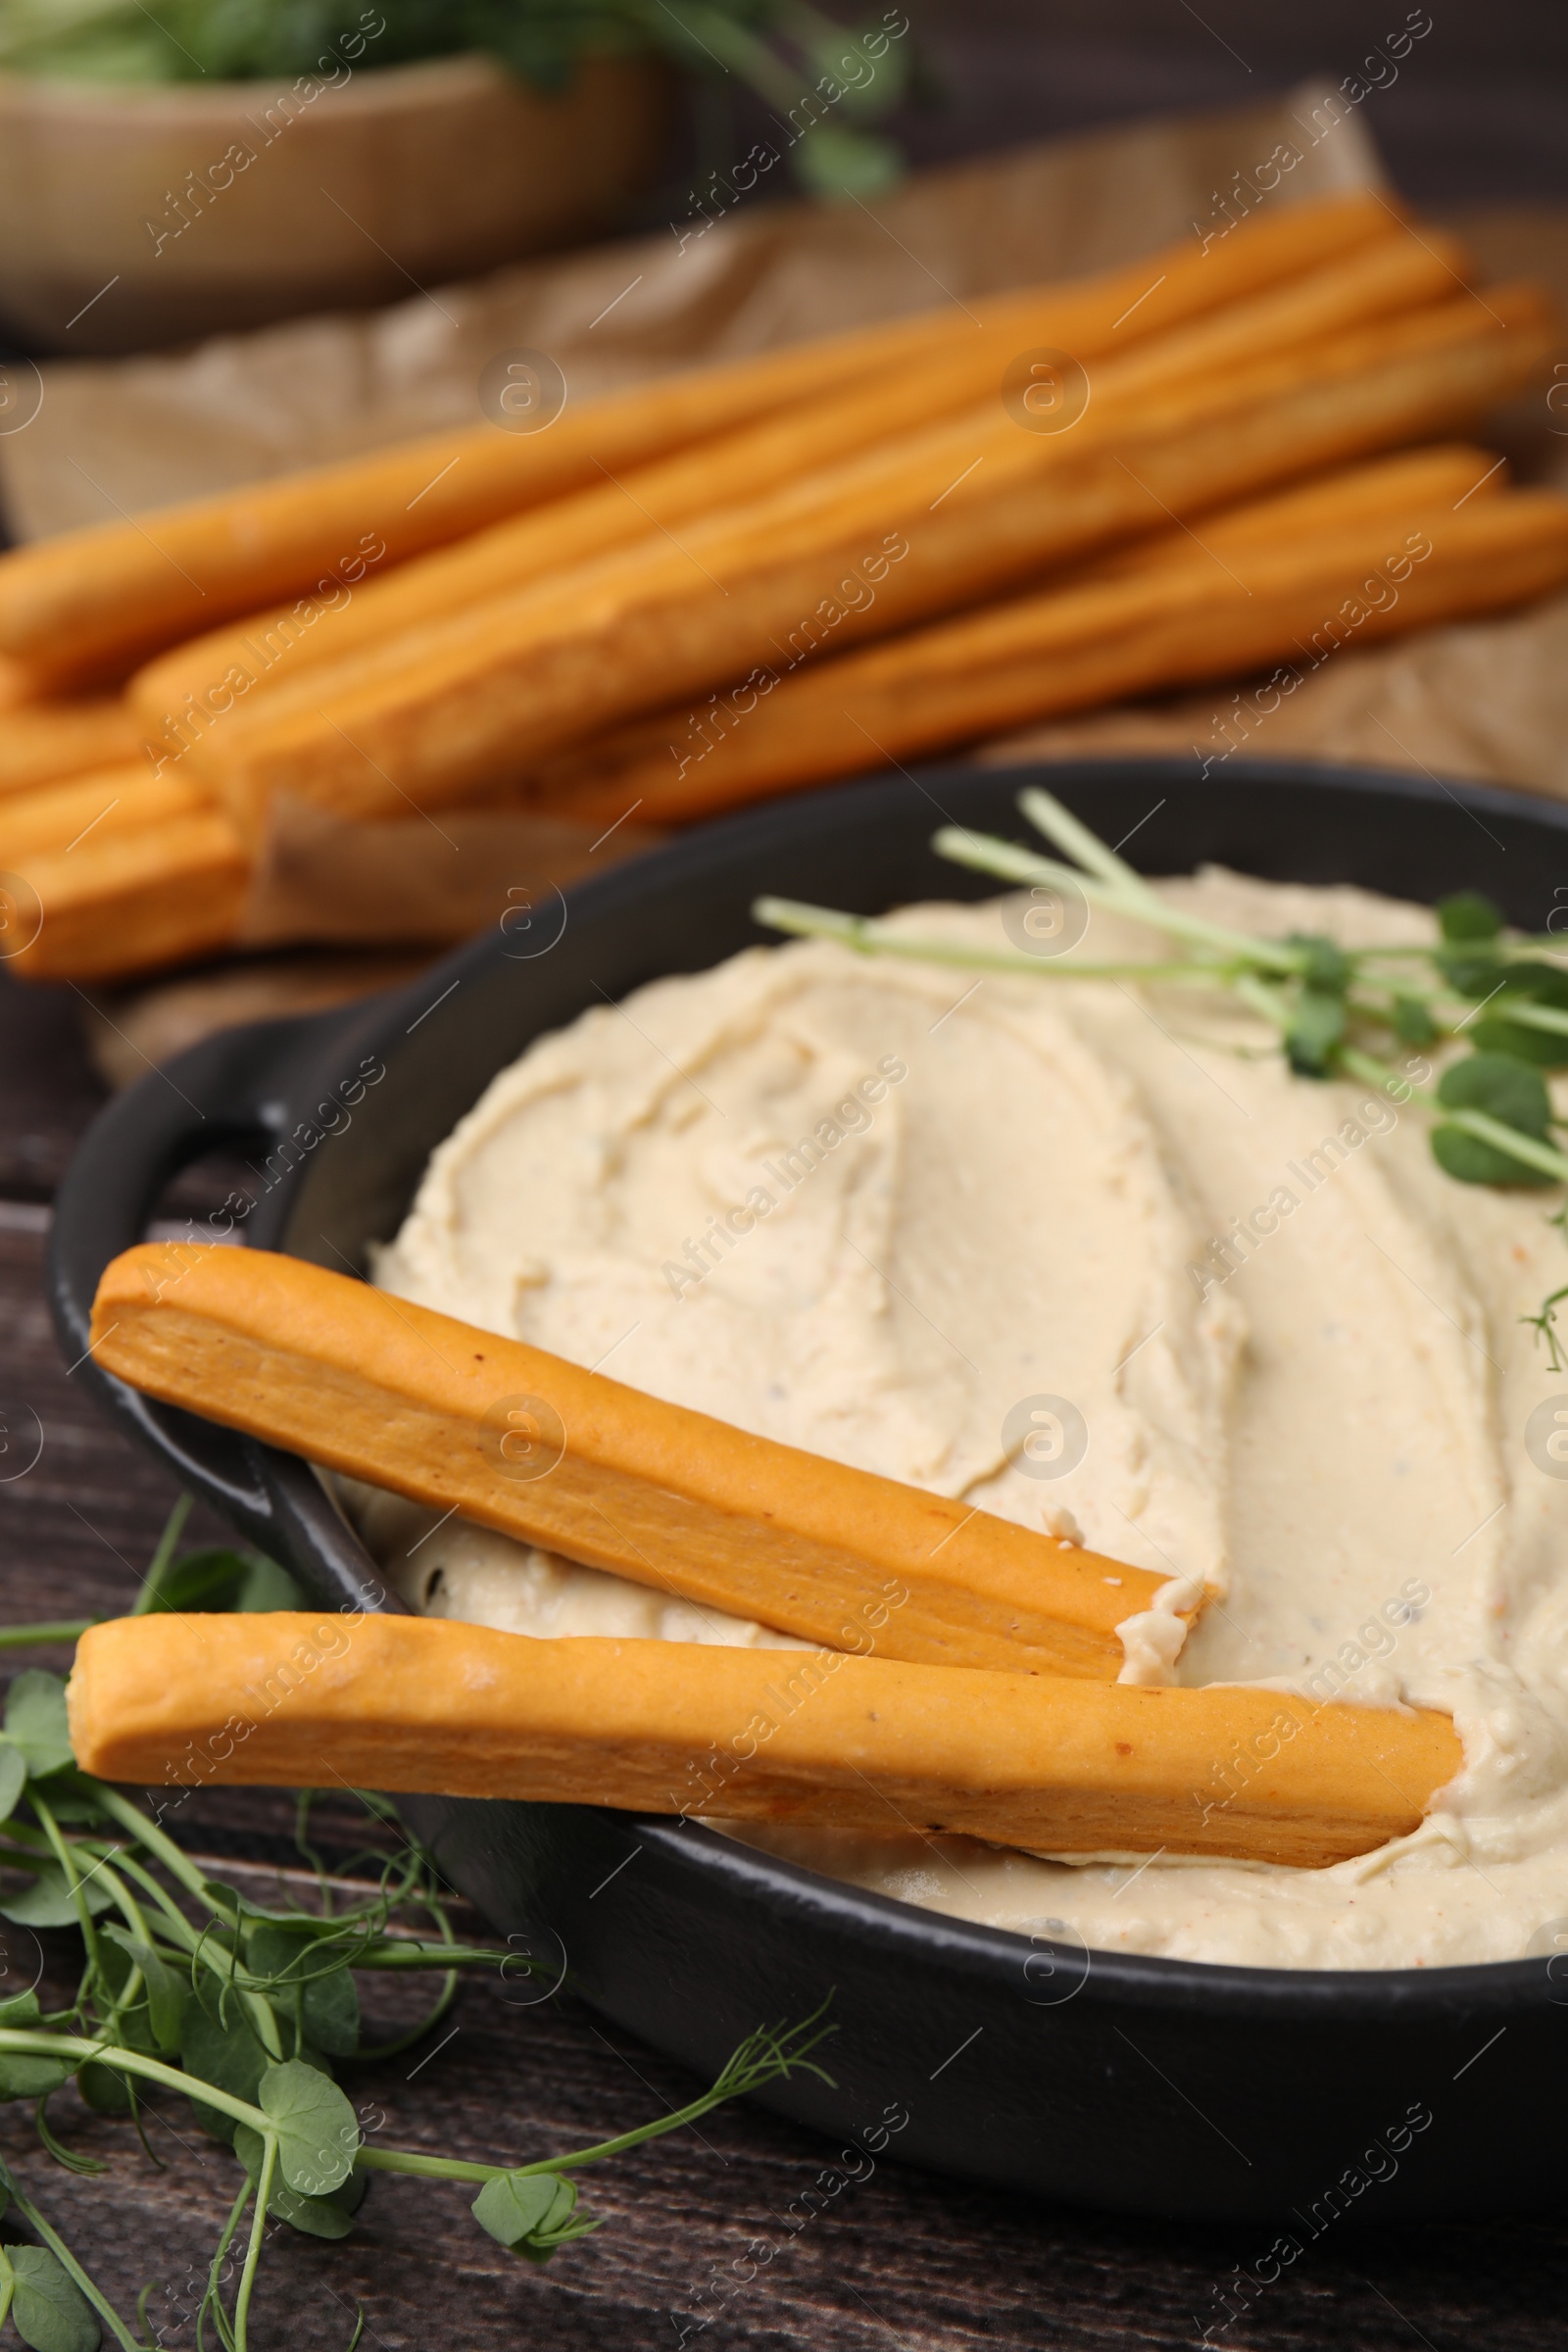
(772, 572)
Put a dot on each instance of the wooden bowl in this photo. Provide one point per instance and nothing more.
(138, 217)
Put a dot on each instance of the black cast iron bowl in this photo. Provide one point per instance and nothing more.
(1152, 2085)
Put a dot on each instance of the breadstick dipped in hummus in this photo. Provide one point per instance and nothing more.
(535, 1446)
(802, 1737)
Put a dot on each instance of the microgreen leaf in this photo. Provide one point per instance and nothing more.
(1327, 967)
(1466, 914)
(1471, 1160)
(1474, 971)
(1413, 1025)
(836, 161)
(104, 2089)
(218, 1578)
(47, 2311)
(1497, 1034)
(514, 2205)
(23, 2076)
(35, 1722)
(350, 2192)
(332, 2014)
(12, 1778)
(49, 1903)
(1508, 1090)
(64, 1807)
(1316, 1026)
(531, 2212)
(166, 1996)
(266, 1586)
(1529, 983)
(1497, 1083)
(222, 2050)
(316, 2217)
(316, 2129)
(828, 59)
(329, 2004)
(1542, 983)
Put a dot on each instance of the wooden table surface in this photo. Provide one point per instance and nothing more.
(898, 2259)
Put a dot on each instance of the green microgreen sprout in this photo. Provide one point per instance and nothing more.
(1338, 1011)
(192, 1990)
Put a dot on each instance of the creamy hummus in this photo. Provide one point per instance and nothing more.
(875, 1208)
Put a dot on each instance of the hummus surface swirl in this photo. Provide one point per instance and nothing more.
(903, 1216)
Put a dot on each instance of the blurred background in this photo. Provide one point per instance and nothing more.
(1478, 113)
(461, 137)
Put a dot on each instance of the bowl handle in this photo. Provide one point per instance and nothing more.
(230, 1088)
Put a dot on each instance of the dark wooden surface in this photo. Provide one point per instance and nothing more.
(1477, 115)
(696, 2246)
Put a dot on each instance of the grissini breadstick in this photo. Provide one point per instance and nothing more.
(1191, 617)
(120, 902)
(1413, 482)
(1379, 279)
(535, 1446)
(944, 518)
(58, 818)
(868, 1744)
(653, 756)
(97, 599)
(116, 593)
(1400, 272)
(42, 742)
